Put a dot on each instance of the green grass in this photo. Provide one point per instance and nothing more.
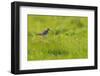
(67, 38)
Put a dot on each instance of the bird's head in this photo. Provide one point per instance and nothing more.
(48, 29)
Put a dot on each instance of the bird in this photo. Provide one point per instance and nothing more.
(44, 33)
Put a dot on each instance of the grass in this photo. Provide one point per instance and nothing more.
(67, 38)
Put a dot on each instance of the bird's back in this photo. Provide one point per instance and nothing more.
(45, 32)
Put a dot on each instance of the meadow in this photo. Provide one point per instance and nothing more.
(66, 39)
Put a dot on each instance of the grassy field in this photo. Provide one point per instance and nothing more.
(66, 39)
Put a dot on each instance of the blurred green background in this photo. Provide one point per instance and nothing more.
(66, 39)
